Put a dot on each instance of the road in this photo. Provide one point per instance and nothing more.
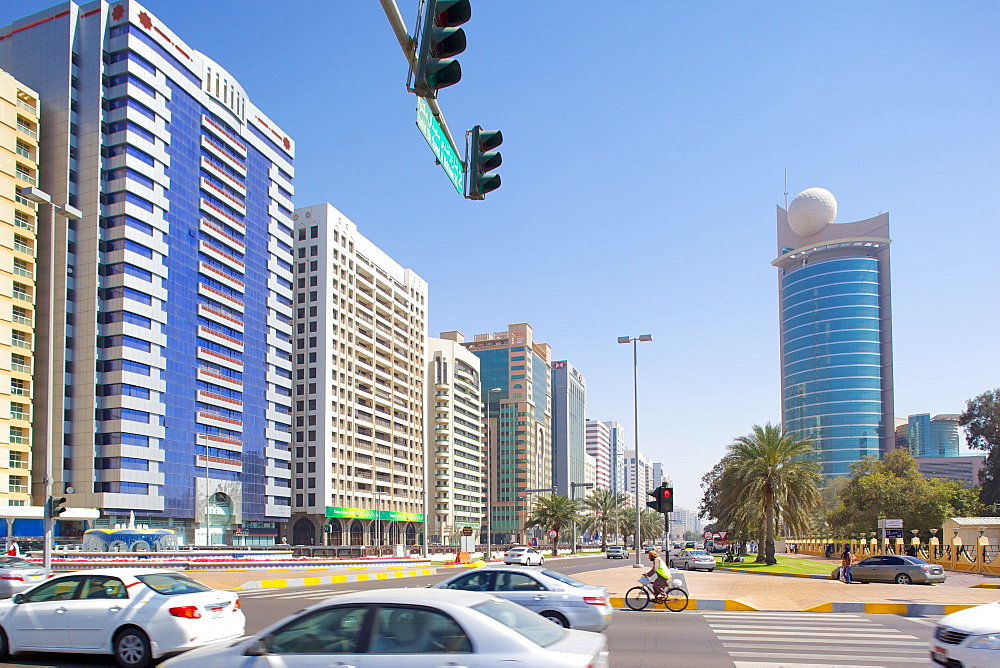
(705, 639)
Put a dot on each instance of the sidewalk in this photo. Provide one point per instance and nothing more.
(734, 590)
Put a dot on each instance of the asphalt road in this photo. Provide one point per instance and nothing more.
(656, 638)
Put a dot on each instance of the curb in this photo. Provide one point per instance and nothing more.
(891, 608)
(808, 576)
(333, 579)
(618, 602)
(985, 586)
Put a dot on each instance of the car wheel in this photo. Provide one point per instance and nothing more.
(671, 565)
(131, 648)
(556, 618)
(903, 579)
(687, 565)
(4, 648)
(541, 560)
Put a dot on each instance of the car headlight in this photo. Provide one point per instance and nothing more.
(991, 641)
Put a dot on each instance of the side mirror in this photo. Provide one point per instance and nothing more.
(258, 647)
(18, 598)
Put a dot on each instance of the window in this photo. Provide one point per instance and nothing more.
(328, 631)
(22, 291)
(413, 630)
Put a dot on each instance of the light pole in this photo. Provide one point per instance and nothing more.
(489, 468)
(635, 393)
(572, 495)
(71, 213)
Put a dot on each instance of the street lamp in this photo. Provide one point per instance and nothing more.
(489, 468)
(635, 393)
(70, 213)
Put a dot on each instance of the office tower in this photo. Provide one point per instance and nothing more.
(933, 437)
(619, 481)
(590, 472)
(598, 438)
(360, 331)
(520, 421)
(569, 438)
(455, 456)
(659, 474)
(639, 476)
(172, 374)
(836, 331)
(964, 468)
(18, 169)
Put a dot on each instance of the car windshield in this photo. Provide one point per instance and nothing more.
(14, 562)
(565, 579)
(529, 624)
(171, 583)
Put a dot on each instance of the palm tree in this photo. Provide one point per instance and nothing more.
(600, 510)
(775, 480)
(651, 524)
(553, 512)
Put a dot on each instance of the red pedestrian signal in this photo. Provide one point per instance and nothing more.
(663, 499)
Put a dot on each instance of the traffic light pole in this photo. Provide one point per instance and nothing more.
(409, 46)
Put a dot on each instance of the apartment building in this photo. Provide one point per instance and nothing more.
(360, 333)
(456, 449)
(19, 112)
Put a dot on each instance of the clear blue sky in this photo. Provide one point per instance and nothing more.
(645, 150)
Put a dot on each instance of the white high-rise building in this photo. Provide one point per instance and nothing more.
(456, 457)
(360, 331)
(598, 439)
(639, 479)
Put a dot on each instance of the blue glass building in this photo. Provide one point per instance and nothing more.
(836, 337)
(172, 389)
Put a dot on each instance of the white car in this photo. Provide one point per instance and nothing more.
(136, 615)
(526, 556)
(689, 560)
(968, 637)
(408, 628)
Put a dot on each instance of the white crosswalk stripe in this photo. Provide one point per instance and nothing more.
(807, 640)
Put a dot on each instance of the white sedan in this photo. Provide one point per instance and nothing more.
(408, 628)
(136, 615)
(968, 637)
(526, 556)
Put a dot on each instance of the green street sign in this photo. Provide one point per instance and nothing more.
(443, 150)
(365, 514)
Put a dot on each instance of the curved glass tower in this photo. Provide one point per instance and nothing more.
(836, 338)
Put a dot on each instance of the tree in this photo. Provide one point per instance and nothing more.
(601, 508)
(651, 524)
(981, 420)
(771, 480)
(553, 512)
(894, 488)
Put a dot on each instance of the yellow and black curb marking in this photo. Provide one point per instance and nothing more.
(334, 579)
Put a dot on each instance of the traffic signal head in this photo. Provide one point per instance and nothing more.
(655, 503)
(483, 159)
(56, 506)
(666, 499)
(440, 39)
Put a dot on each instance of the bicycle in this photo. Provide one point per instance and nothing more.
(674, 599)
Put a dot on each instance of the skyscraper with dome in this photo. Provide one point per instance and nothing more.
(836, 330)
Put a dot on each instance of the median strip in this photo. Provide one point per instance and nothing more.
(333, 579)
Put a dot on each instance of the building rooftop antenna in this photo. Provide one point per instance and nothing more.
(786, 190)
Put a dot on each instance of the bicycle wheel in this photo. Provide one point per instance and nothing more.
(637, 598)
(677, 599)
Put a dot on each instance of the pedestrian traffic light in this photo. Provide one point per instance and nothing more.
(55, 506)
(440, 40)
(663, 499)
(483, 159)
(666, 499)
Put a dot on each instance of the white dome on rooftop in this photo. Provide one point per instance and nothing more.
(811, 211)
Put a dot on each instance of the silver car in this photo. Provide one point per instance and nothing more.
(692, 560)
(557, 597)
(897, 568)
(17, 575)
(406, 628)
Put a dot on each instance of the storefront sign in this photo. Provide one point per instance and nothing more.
(365, 514)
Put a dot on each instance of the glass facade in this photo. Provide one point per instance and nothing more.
(831, 359)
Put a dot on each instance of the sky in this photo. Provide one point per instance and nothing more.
(645, 150)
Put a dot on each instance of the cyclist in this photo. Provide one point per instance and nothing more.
(661, 572)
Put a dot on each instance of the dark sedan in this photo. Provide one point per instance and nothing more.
(897, 568)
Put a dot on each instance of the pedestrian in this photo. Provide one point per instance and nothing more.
(911, 550)
(829, 550)
(846, 561)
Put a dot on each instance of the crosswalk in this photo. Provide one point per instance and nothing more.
(785, 639)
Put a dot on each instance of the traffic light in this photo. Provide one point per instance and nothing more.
(483, 159)
(56, 506)
(663, 499)
(439, 41)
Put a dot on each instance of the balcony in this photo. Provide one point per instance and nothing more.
(27, 106)
(25, 176)
(21, 368)
(25, 153)
(23, 200)
(19, 415)
(26, 129)
(24, 248)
